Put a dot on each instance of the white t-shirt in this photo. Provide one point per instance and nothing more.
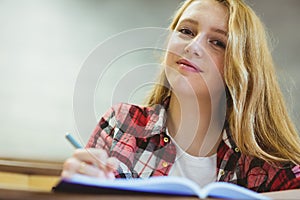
(201, 170)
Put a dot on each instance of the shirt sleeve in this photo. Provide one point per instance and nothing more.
(102, 135)
(286, 179)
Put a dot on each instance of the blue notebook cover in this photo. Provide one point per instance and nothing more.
(162, 185)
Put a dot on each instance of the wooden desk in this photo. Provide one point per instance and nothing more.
(29, 174)
(12, 194)
(30, 167)
(286, 194)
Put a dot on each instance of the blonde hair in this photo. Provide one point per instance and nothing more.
(256, 111)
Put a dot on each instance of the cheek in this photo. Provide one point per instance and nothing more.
(220, 66)
(175, 49)
(215, 80)
(217, 65)
(170, 59)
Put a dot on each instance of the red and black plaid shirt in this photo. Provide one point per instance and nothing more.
(137, 137)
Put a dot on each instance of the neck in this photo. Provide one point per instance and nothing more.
(195, 127)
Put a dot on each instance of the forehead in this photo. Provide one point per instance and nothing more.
(209, 11)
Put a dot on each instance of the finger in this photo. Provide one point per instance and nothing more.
(112, 163)
(70, 164)
(90, 170)
(104, 162)
(93, 156)
(99, 158)
(69, 167)
(66, 174)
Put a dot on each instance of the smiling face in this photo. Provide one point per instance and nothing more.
(195, 53)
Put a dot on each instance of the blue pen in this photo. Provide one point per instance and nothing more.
(72, 140)
(77, 145)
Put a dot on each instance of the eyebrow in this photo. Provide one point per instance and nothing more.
(191, 21)
(225, 33)
(188, 21)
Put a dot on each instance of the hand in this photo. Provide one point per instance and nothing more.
(91, 162)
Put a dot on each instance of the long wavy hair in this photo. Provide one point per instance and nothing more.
(256, 111)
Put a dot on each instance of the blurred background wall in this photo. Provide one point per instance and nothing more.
(44, 43)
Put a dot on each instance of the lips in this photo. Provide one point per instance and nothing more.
(187, 65)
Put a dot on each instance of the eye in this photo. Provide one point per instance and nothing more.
(218, 43)
(186, 31)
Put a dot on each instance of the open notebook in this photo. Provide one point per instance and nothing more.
(163, 185)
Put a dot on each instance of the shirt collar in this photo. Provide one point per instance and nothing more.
(157, 123)
(158, 119)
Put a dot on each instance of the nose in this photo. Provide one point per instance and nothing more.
(195, 46)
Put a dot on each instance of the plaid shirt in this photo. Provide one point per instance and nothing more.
(137, 137)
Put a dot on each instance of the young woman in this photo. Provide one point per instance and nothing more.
(216, 114)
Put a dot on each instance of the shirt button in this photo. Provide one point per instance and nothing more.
(236, 149)
(165, 164)
(222, 172)
(166, 139)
